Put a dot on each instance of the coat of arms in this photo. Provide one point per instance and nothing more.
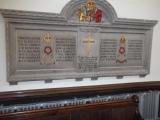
(89, 12)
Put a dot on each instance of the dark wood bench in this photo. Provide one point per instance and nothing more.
(112, 109)
(125, 109)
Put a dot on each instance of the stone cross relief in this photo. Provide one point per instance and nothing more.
(89, 41)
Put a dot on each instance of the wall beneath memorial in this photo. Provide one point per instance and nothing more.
(138, 9)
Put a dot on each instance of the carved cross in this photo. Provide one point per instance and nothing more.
(89, 40)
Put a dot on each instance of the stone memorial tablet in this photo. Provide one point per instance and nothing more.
(86, 40)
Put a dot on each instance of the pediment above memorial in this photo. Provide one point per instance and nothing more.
(89, 11)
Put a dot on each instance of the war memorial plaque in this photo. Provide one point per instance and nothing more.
(86, 40)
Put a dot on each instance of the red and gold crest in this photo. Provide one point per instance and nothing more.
(89, 12)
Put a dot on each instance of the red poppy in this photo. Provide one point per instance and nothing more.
(122, 50)
(48, 50)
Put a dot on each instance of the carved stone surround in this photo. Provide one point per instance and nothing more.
(46, 46)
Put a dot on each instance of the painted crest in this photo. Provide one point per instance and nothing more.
(89, 12)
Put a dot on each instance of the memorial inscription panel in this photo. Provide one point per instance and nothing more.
(86, 39)
(28, 49)
(88, 49)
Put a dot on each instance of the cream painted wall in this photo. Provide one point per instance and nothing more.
(140, 9)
